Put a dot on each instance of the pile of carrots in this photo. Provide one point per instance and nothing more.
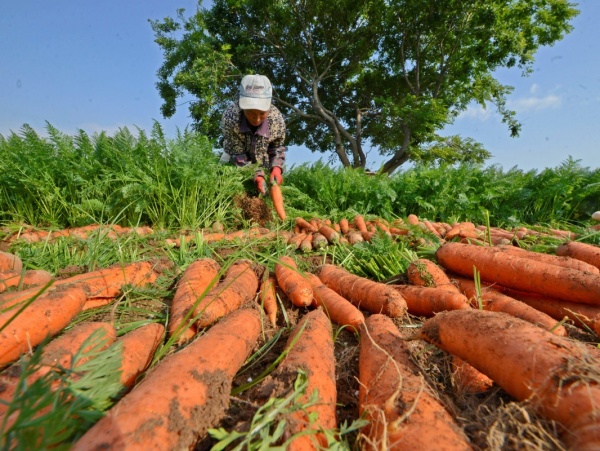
(497, 309)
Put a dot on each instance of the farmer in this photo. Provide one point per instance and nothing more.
(254, 131)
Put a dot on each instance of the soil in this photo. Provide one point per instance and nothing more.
(254, 209)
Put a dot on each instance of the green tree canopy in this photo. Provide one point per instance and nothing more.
(387, 74)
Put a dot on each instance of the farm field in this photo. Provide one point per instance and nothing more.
(149, 297)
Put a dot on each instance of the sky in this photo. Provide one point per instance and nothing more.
(92, 66)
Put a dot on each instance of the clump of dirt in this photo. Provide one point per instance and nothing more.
(254, 209)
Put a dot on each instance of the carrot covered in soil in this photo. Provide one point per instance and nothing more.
(268, 296)
(328, 232)
(339, 309)
(44, 317)
(403, 412)
(295, 286)
(427, 301)
(560, 377)
(493, 300)
(239, 286)
(374, 297)
(194, 282)
(564, 261)
(519, 273)
(278, 200)
(10, 262)
(24, 279)
(186, 393)
(425, 273)
(581, 251)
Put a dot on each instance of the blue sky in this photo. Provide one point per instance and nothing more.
(92, 66)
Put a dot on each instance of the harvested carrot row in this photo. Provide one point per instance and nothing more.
(495, 301)
(402, 410)
(519, 273)
(340, 310)
(10, 262)
(467, 379)
(24, 279)
(425, 273)
(278, 200)
(564, 261)
(186, 393)
(294, 285)
(427, 301)
(44, 317)
(268, 297)
(581, 251)
(239, 286)
(194, 282)
(559, 376)
(374, 297)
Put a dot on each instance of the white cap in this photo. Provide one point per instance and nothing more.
(255, 93)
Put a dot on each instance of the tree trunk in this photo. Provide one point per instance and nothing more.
(400, 157)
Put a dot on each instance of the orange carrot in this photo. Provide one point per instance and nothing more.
(467, 379)
(355, 237)
(268, 296)
(398, 231)
(374, 297)
(360, 223)
(185, 394)
(564, 261)
(495, 301)
(294, 285)
(239, 286)
(296, 240)
(425, 273)
(44, 317)
(432, 229)
(344, 226)
(195, 281)
(278, 200)
(559, 376)
(10, 262)
(412, 219)
(332, 236)
(581, 251)
(339, 309)
(519, 273)
(427, 301)
(304, 224)
(24, 279)
(306, 244)
(403, 412)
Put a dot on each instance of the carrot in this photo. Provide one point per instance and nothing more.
(564, 261)
(239, 286)
(306, 244)
(268, 297)
(427, 301)
(581, 251)
(467, 379)
(138, 347)
(10, 262)
(344, 226)
(185, 394)
(495, 301)
(374, 297)
(559, 376)
(294, 285)
(332, 236)
(23, 279)
(432, 229)
(367, 236)
(355, 237)
(310, 349)
(195, 281)
(402, 410)
(425, 273)
(398, 231)
(296, 240)
(339, 309)
(412, 219)
(44, 317)
(278, 200)
(304, 224)
(519, 273)
(360, 223)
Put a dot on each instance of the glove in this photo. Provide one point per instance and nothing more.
(261, 184)
(276, 175)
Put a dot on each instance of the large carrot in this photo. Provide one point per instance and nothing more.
(519, 273)
(185, 394)
(44, 317)
(278, 200)
(10, 262)
(564, 261)
(427, 301)
(194, 282)
(24, 279)
(425, 273)
(402, 410)
(339, 309)
(268, 296)
(558, 376)
(581, 251)
(294, 285)
(239, 286)
(493, 300)
(374, 297)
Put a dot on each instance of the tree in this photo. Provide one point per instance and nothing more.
(384, 73)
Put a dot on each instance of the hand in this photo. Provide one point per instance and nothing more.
(261, 184)
(276, 175)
